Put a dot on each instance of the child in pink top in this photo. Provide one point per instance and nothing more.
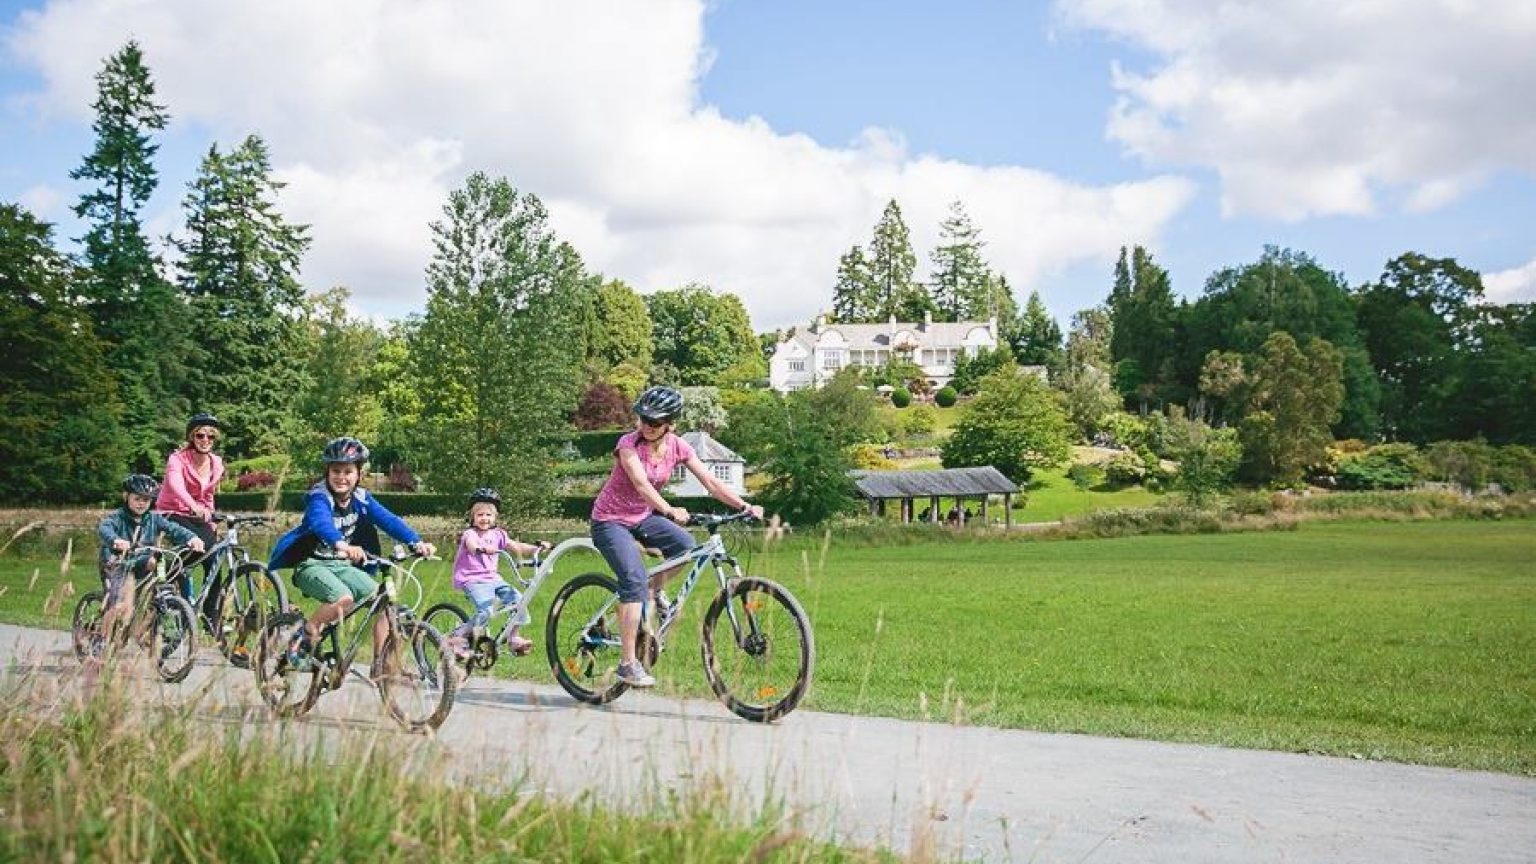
(476, 572)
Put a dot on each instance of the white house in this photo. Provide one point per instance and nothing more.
(807, 358)
(718, 459)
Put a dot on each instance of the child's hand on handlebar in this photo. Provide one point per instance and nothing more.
(120, 545)
(424, 549)
(195, 544)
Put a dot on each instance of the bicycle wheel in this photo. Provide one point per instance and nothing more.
(581, 638)
(762, 670)
(251, 599)
(446, 618)
(85, 627)
(288, 691)
(418, 679)
(173, 637)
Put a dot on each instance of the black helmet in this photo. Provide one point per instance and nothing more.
(141, 484)
(348, 450)
(202, 418)
(659, 405)
(485, 495)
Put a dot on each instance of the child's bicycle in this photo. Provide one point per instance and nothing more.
(757, 644)
(486, 646)
(414, 675)
(250, 593)
(162, 622)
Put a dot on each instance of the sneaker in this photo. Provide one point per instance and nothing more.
(635, 675)
(519, 645)
(460, 647)
(297, 656)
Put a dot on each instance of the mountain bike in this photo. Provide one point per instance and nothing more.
(414, 672)
(248, 595)
(756, 640)
(161, 623)
(486, 645)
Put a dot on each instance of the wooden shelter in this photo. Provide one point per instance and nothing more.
(958, 484)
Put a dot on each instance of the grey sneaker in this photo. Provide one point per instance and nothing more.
(635, 675)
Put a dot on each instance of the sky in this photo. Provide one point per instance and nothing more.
(747, 144)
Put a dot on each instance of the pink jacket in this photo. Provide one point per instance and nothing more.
(183, 486)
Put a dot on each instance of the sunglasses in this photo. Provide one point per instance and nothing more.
(654, 424)
(204, 436)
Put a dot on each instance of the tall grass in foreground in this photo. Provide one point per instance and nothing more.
(108, 778)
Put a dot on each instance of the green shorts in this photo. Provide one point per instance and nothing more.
(328, 581)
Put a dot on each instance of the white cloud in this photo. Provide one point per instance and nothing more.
(45, 202)
(375, 109)
(1311, 107)
(1516, 285)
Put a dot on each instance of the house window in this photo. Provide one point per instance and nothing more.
(832, 360)
(722, 471)
(797, 365)
(679, 473)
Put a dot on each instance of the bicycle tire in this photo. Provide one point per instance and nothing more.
(420, 683)
(445, 618)
(173, 641)
(774, 628)
(254, 595)
(288, 692)
(583, 648)
(85, 626)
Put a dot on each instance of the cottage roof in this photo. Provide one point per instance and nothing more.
(924, 484)
(881, 335)
(710, 450)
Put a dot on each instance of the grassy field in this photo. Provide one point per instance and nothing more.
(1405, 641)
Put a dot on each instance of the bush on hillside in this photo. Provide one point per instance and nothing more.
(946, 397)
(901, 397)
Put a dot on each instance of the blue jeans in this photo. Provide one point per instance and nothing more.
(485, 594)
(617, 543)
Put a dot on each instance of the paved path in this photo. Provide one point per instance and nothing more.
(989, 794)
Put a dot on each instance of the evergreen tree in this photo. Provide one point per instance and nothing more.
(1143, 315)
(135, 311)
(892, 264)
(59, 411)
(239, 267)
(500, 347)
(1296, 397)
(1037, 341)
(854, 298)
(962, 287)
(1085, 379)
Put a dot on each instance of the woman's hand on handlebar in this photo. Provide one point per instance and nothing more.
(678, 515)
(754, 510)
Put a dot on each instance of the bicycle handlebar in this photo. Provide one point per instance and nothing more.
(712, 522)
(232, 519)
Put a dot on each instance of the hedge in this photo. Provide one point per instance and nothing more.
(437, 504)
(591, 445)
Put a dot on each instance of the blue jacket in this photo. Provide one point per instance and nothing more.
(319, 526)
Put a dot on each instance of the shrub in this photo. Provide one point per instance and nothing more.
(400, 479)
(871, 457)
(901, 397)
(946, 397)
(253, 480)
(1125, 469)
(1389, 466)
(603, 406)
(921, 420)
(1085, 476)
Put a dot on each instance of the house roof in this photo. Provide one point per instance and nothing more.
(880, 335)
(710, 450)
(923, 484)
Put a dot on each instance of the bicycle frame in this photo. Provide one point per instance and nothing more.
(384, 598)
(222, 554)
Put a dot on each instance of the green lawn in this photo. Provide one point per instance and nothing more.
(1405, 641)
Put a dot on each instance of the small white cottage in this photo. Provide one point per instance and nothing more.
(718, 459)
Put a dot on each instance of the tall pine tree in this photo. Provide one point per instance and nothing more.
(134, 309)
(891, 266)
(960, 282)
(854, 299)
(239, 271)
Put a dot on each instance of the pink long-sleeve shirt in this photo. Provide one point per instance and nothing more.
(184, 486)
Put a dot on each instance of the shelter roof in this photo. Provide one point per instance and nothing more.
(924, 484)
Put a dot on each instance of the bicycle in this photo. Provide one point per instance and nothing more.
(250, 593)
(170, 636)
(759, 662)
(447, 617)
(417, 680)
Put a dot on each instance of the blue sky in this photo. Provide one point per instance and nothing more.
(746, 144)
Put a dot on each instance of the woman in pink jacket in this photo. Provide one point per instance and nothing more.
(192, 475)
